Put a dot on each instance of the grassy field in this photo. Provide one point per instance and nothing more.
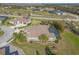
(69, 44)
(30, 49)
(35, 22)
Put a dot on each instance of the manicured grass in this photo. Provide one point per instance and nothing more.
(19, 38)
(1, 33)
(30, 48)
(35, 22)
(27, 47)
(73, 38)
(69, 44)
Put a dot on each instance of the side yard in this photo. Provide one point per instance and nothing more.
(69, 44)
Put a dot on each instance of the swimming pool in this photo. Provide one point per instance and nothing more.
(2, 17)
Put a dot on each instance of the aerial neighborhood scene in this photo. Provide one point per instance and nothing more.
(39, 29)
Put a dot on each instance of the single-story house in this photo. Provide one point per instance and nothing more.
(58, 12)
(35, 31)
(21, 21)
(49, 9)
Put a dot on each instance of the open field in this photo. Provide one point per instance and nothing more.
(69, 44)
(35, 22)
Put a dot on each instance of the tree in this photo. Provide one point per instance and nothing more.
(3, 21)
(58, 25)
(0, 28)
(45, 22)
(43, 38)
(37, 52)
(19, 37)
(48, 51)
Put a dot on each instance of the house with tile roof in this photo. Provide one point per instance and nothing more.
(21, 21)
(35, 31)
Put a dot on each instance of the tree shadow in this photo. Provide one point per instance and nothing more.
(48, 51)
(37, 52)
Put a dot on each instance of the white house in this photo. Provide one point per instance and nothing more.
(21, 21)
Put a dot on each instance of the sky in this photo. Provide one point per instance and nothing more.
(39, 1)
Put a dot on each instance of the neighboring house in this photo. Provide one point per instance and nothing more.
(58, 12)
(35, 9)
(34, 32)
(22, 21)
(49, 9)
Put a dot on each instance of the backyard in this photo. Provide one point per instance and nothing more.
(69, 44)
(30, 48)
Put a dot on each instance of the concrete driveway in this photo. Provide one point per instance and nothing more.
(8, 34)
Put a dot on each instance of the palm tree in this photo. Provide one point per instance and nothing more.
(58, 25)
(43, 38)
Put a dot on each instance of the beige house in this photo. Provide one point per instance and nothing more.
(35, 31)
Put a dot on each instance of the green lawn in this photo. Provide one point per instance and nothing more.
(27, 47)
(35, 22)
(19, 38)
(69, 44)
(73, 38)
(30, 48)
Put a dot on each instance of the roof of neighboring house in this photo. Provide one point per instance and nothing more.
(37, 30)
(22, 20)
(56, 11)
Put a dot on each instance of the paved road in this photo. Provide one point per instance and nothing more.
(10, 15)
(8, 33)
(42, 18)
